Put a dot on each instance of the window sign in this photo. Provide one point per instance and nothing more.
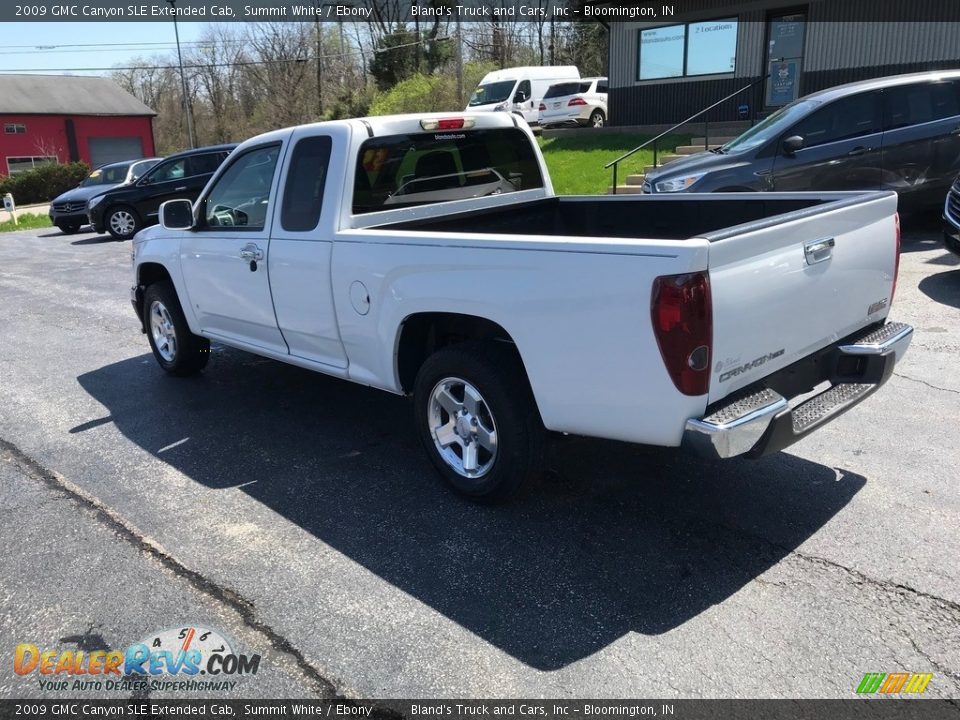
(712, 47)
(783, 85)
(661, 52)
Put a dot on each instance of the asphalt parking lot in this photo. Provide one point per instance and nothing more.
(297, 514)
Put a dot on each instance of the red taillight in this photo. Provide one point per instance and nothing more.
(682, 316)
(451, 124)
(896, 262)
(576, 101)
(542, 107)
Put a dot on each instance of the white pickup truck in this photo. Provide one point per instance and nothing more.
(428, 256)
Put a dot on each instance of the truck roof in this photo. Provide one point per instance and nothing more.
(381, 125)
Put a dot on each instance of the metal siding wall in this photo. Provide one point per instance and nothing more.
(841, 45)
(673, 102)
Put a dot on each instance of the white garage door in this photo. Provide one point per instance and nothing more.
(105, 150)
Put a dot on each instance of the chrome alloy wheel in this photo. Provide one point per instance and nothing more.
(163, 332)
(462, 426)
(122, 222)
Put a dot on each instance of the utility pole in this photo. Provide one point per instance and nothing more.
(318, 29)
(460, 98)
(183, 79)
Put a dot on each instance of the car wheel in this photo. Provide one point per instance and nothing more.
(122, 222)
(176, 349)
(69, 228)
(952, 245)
(477, 419)
(597, 119)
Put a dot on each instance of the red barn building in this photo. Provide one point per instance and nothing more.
(66, 118)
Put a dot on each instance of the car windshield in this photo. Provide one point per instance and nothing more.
(107, 175)
(418, 169)
(492, 93)
(771, 127)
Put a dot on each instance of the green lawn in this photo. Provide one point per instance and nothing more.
(576, 162)
(26, 222)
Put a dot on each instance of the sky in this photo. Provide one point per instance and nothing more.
(62, 47)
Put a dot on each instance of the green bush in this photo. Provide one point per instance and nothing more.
(44, 183)
(430, 93)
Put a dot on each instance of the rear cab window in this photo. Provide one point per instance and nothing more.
(563, 89)
(397, 171)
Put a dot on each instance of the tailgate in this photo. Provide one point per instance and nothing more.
(785, 287)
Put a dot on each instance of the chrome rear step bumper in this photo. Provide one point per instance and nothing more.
(761, 421)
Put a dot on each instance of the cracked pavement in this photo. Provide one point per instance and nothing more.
(298, 514)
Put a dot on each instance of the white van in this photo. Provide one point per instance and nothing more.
(519, 90)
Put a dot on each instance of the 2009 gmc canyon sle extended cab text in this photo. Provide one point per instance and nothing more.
(428, 255)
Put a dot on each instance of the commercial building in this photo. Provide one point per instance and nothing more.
(55, 118)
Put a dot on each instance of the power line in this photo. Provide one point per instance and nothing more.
(239, 63)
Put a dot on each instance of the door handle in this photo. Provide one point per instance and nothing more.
(816, 251)
(251, 253)
(180, 189)
(858, 151)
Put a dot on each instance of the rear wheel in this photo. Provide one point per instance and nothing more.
(69, 228)
(477, 419)
(597, 119)
(176, 349)
(122, 222)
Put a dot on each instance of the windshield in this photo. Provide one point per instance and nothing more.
(107, 175)
(771, 127)
(492, 92)
(404, 170)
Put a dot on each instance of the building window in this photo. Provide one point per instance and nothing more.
(22, 164)
(700, 48)
(15, 129)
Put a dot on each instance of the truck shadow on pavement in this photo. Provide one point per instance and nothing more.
(616, 539)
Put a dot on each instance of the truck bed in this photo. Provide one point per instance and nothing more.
(655, 216)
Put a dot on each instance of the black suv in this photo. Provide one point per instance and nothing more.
(125, 210)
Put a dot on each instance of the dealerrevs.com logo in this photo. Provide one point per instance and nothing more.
(192, 659)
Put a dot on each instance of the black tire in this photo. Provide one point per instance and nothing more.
(69, 228)
(122, 222)
(597, 119)
(189, 353)
(495, 371)
(952, 245)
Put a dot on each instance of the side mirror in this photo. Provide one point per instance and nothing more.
(792, 144)
(520, 97)
(176, 215)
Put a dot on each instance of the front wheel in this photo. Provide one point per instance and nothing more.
(478, 421)
(176, 349)
(122, 222)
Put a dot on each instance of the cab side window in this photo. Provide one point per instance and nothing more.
(306, 179)
(843, 119)
(240, 198)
